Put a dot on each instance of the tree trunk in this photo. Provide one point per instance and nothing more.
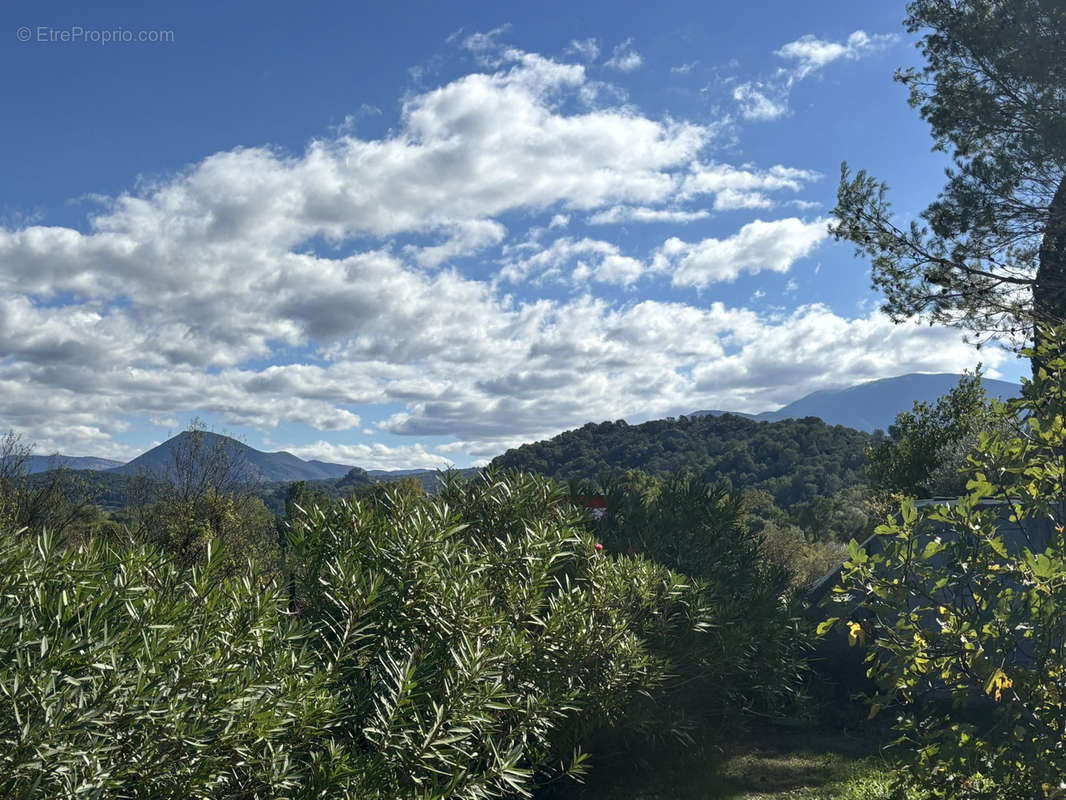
(1049, 290)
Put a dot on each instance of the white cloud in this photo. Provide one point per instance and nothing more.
(570, 260)
(485, 45)
(736, 199)
(684, 69)
(265, 288)
(585, 49)
(624, 58)
(618, 214)
(211, 260)
(467, 238)
(757, 246)
(370, 456)
(760, 101)
(731, 185)
(811, 53)
(767, 100)
(658, 359)
(812, 348)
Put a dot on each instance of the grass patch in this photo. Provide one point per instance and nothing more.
(764, 765)
(811, 768)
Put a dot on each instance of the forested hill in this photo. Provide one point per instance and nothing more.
(794, 459)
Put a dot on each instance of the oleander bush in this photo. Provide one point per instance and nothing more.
(476, 639)
(459, 646)
(752, 657)
(124, 675)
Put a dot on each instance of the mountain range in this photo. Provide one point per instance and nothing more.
(873, 405)
(35, 464)
(865, 407)
(159, 462)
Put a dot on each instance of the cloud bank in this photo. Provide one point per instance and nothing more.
(402, 274)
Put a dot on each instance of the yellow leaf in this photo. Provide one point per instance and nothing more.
(997, 683)
(856, 634)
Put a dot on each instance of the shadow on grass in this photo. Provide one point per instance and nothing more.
(766, 763)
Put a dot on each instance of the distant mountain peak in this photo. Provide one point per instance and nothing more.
(266, 467)
(874, 404)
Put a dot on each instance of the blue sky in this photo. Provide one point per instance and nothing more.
(412, 234)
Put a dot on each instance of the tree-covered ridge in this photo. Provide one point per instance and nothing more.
(794, 460)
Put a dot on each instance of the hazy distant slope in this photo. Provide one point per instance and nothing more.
(267, 467)
(35, 464)
(875, 404)
(795, 460)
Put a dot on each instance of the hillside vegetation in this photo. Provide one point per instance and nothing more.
(795, 461)
(468, 645)
(478, 642)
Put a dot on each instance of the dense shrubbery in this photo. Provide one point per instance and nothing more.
(124, 675)
(477, 636)
(966, 610)
(464, 645)
(753, 657)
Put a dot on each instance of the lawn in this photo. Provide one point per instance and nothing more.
(763, 765)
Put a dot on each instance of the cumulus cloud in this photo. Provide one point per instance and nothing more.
(467, 238)
(617, 214)
(757, 246)
(658, 359)
(570, 260)
(370, 456)
(743, 187)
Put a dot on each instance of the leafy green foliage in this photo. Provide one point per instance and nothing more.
(809, 539)
(753, 656)
(794, 460)
(841, 517)
(968, 602)
(478, 637)
(465, 645)
(926, 449)
(123, 675)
